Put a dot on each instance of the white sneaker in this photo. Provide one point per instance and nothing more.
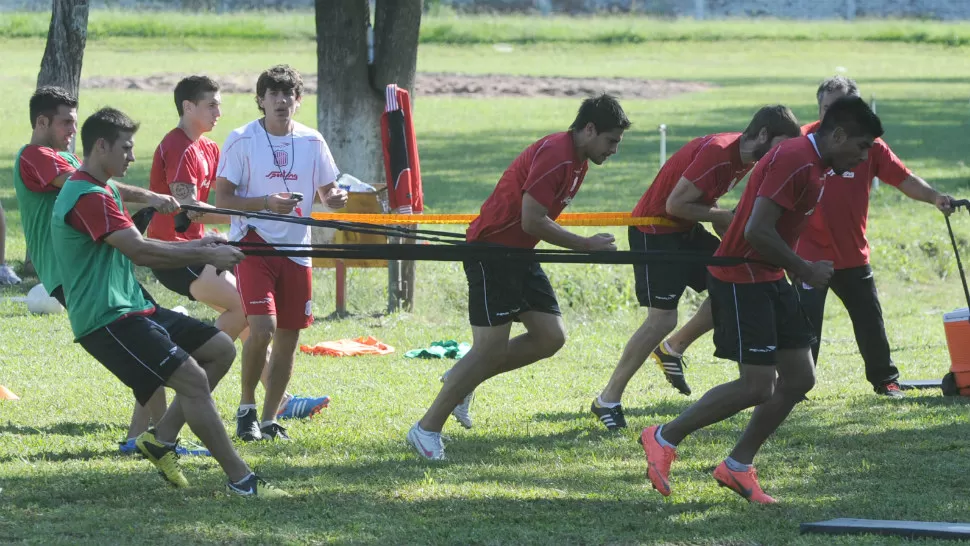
(462, 411)
(7, 276)
(427, 444)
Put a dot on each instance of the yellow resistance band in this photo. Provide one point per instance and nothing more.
(568, 219)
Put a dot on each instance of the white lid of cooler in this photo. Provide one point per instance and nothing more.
(959, 314)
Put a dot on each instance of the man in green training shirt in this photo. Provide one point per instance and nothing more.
(144, 345)
(40, 170)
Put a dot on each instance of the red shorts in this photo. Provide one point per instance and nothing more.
(275, 285)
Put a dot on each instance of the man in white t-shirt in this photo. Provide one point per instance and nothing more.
(264, 164)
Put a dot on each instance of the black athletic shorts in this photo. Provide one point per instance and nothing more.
(661, 284)
(753, 321)
(144, 351)
(179, 280)
(498, 292)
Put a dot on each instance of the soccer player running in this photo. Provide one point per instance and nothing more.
(685, 193)
(40, 170)
(144, 345)
(837, 232)
(520, 212)
(279, 165)
(758, 321)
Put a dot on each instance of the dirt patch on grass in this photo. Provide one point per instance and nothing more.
(442, 84)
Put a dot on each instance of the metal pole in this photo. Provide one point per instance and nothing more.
(663, 143)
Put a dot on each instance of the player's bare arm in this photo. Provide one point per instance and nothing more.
(760, 232)
(536, 222)
(685, 201)
(166, 204)
(188, 194)
(226, 198)
(916, 188)
(157, 254)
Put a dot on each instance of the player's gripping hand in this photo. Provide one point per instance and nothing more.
(601, 241)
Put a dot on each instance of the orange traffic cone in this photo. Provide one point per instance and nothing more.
(6, 394)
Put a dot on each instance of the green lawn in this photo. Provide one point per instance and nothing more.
(536, 468)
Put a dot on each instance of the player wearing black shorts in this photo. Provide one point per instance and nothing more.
(143, 345)
(758, 321)
(684, 193)
(521, 211)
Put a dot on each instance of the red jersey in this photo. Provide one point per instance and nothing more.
(96, 214)
(837, 230)
(791, 175)
(179, 160)
(40, 165)
(712, 163)
(549, 171)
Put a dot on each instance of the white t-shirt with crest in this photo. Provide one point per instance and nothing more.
(259, 164)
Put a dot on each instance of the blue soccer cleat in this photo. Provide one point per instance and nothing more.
(301, 407)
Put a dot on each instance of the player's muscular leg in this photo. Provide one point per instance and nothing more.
(280, 370)
(193, 400)
(698, 325)
(262, 328)
(796, 377)
(544, 335)
(219, 292)
(659, 323)
(755, 386)
(490, 346)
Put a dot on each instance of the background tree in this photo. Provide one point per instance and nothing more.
(355, 63)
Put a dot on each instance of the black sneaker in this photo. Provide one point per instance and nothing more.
(672, 367)
(273, 431)
(247, 426)
(254, 486)
(890, 390)
(611, 417)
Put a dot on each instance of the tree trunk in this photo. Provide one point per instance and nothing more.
(349, 103)
(66, 37)
(350, 96)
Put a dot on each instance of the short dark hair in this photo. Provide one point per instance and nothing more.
(281, 77)
(107, 123)
(47, 99)
(604, 112)
(837, 83)
(854, 116)
(192, 89)
(777, 119)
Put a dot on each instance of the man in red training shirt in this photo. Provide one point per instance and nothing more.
(522, 211)
(758, 321)
(685, 193)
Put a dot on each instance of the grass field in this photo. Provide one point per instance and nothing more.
(536, 468)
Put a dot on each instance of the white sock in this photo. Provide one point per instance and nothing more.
(670, 351)
(243, 408)
(602, 404)
(735, 465)
(265, 424)
(660, 438)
